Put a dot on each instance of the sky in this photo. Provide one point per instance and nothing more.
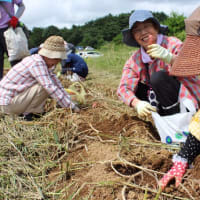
(65, 13)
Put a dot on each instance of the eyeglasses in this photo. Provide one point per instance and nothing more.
(141, 28)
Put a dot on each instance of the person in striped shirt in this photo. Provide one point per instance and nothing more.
(29, 83)
(145, 83)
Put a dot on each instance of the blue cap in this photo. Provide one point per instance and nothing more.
(140, 16)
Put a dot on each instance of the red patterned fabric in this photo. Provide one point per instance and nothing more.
(177, 171)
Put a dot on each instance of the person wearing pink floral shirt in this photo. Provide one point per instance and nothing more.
(145, 83)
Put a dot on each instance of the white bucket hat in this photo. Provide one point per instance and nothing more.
(53, 47)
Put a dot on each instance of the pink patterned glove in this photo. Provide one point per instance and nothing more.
(177, 171)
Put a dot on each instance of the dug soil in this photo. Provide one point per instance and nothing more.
(116, 155)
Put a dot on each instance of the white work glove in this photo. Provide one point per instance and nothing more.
(157, 51)
(76, 109)
(144, 108)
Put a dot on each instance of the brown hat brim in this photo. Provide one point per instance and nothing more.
(188, 61)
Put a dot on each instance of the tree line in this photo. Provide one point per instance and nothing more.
(105, 29)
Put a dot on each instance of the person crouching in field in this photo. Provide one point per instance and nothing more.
(29, 83)
(145, 84)
(187, 64)
(74, 67)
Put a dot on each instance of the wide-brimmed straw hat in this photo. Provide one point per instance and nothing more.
(188, 61)
(54, 48)
(140, 16)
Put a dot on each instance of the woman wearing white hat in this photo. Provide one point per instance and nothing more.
(29, 83)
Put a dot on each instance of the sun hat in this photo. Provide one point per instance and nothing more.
(140, 16)
(188, 61)
(53, 47)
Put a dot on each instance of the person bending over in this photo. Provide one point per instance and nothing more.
(25, 88)
(74, 66)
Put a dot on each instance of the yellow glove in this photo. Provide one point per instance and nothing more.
(144, 108)
(78, 91)
(157, 51)
(58, 74)
(71, 92)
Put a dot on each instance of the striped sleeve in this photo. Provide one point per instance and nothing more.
(43, 76)
(129, 82)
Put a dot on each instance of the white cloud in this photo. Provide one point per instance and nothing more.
(65, 13)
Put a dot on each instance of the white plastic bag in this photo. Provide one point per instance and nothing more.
(73, 78)
(17, 43)
(175, 128)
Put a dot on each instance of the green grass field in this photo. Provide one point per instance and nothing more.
(113, 60)
(6, 62)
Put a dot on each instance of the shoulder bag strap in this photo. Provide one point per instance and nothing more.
(147, 73)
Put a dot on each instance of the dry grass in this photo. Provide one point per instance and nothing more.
(102, 153)
(29, 150)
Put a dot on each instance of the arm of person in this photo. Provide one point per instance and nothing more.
(55, 79)
(52, 85)
(20, 10)
(14, 19)
(60, 86)
(128, 86)
(128, 83)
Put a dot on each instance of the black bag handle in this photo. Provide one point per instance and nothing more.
(147, 73)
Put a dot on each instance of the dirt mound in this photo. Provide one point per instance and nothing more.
(105, 152)
(121, 157)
